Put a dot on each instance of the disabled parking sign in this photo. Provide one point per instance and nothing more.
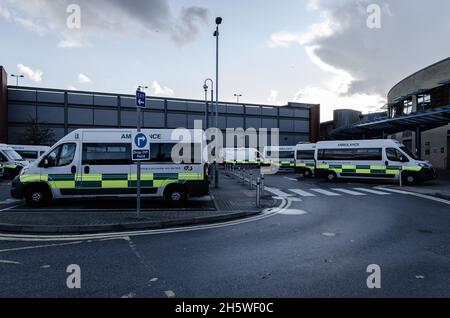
(141, 147)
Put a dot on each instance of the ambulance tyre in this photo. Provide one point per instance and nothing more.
(331, 176)
(38, 195)
(307, 173)
(176, 195)
(410, 178)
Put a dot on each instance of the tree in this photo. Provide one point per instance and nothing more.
(36, 134)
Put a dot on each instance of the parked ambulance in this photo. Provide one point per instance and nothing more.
(12, 162)
(282, 157)
(384, 159)
(242, 156)
(97, 163)
(305, 162)
(30, 153)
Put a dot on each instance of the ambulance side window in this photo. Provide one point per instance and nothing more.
(3, 158)
(60, 156)
(395, 155)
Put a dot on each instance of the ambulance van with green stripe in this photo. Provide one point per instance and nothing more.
(305, 163)
(282, 157)
(384, 159)
(11, 161)
(97, 163)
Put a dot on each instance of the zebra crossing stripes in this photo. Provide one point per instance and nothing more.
(372, 191)
(351, 192)
(334, 192)
(302, 193)
(326, 192)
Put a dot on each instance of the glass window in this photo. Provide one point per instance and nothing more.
(359, 154)
(162, 153)
(409, 153)
(61, 156)
(407, 107)
(3, 158)
(33, 155)
(395, 155)
(106, 154)
(305, 154)
(13, 155)
(286, 154)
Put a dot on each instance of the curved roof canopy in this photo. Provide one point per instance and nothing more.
(425, 120)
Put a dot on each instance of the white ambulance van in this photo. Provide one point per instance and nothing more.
(30, 153)
(305, 162)
(384, 159)
(242, 156)
(92, 163)
(282, 157)
(11, 161)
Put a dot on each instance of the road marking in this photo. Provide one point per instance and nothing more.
(8, 201)
(285, 204)
(11, 207)
(372, 191)
(302, 193)
(129, 295)
(2, 261)
(278, 192)
(291, 179)
(37, 246)
(328, 193)
(346, 191)
(419, 195)
(169, 294)
(329, 234)
(293, 212)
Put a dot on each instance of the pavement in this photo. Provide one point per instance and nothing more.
(232, 200)
(439, 188)
(320, 243)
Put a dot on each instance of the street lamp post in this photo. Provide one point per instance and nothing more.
(216, 34)
(17, 78)
(237, 97)
(206, 87)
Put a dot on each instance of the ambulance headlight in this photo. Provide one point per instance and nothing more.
(423, 165)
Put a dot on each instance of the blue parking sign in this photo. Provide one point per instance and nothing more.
(140, 147)
(140, 99)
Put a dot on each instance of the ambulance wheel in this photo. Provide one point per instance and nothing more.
(307, 173)
(176, 195)
(331, 176)
(410, 179)
(38, 196)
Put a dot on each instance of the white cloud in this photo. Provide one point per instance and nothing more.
(273, 97)
(72, 88)
(158, 90)
(34, 75)
(30, 25)
(145, 19)
(4, 13)
(83, 79)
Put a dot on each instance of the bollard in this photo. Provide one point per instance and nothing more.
(243, 176)
(250, 181)
(263, 190)
(258, 193)
(400, 179)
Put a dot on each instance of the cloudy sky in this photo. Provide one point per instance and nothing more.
(334, 52)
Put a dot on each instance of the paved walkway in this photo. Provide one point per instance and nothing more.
(231, 200)
(438, 188)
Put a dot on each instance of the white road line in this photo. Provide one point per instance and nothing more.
(346, 191)
(302, 193)
(278, 192)
(328, 193)
(424, 196)
(291, 179)
(9, 262)
(372, 191)
(8, 201)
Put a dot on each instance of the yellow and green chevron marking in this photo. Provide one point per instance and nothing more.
(111, 181)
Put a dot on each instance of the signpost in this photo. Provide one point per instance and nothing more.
(141, 146)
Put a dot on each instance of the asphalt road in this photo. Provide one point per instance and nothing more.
(319, 245)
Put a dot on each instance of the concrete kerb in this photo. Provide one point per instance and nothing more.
(92, 229)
